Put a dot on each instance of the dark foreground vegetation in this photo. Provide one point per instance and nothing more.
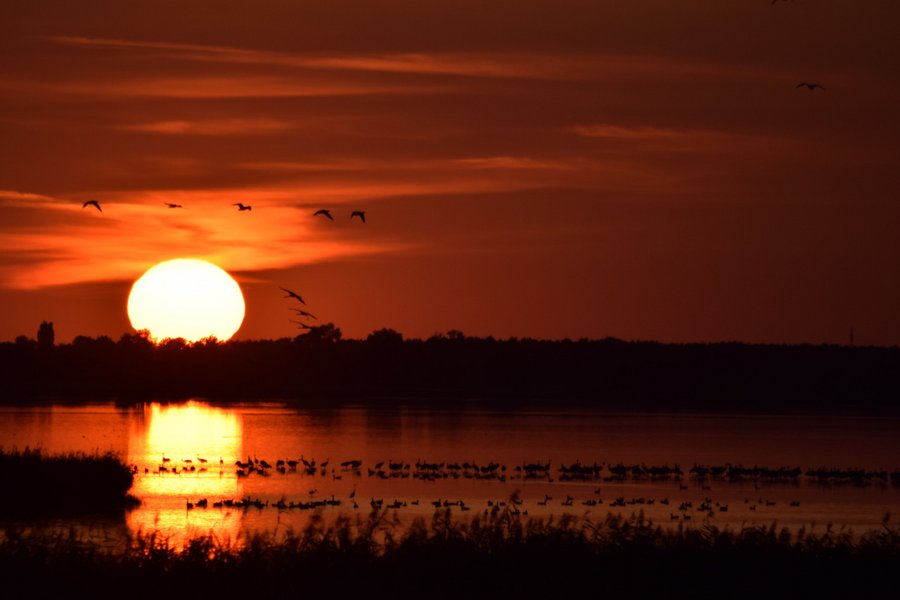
(501, 557)
(41, 485)
(321, 366)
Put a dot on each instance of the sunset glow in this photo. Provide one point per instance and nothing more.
(592, 157)
(186, 298)
(449, 299)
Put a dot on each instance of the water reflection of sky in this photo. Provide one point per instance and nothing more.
(143, 435)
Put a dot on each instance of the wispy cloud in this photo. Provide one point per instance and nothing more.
(236, 86)
(212, 127)
(426, 166)
(128, 237)
(503, 65)
(27, 197)
(135, 229)
(618, 132)
(462, 64)
(517, 163)
(644, 141)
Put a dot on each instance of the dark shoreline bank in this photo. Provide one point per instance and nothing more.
(452, 404)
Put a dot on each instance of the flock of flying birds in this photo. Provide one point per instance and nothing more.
(362, 214)
(324, 212)
(242, 207)
(290, 294)
(300, 311)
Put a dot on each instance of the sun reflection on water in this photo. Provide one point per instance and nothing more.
(192, 448)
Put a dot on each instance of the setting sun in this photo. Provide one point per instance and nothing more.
(186, 298)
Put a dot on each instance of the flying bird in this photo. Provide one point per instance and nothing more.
(171, 205)
(301, 325)
(324, 211)
(811, 86)
(242, 206)
(358, 213)
(303, 313)
(93, 203)
(291, 294)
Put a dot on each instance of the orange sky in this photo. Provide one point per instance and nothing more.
(646, 170)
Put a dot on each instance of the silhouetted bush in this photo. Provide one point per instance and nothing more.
(63, 484)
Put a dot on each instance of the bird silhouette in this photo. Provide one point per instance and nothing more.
(811, 86)
(303, 313)
(171, 205)
(358, 213)
(291, 294)
(242, 206)
(300, 324)
(324, 211)
(93, 203)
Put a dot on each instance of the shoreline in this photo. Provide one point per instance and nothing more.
(453, 403)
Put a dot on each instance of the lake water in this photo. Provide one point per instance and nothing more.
(202, 442)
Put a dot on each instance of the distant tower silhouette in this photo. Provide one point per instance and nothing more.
(45, 335)
(851, 336)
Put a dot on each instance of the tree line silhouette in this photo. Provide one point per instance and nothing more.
(320, 366)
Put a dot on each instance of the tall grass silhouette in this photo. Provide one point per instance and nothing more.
(40, 484)
(500, 556)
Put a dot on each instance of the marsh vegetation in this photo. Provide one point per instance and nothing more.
(504, 555)
(63, 484)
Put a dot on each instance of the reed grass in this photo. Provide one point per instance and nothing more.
(501, 556)
(40, 484)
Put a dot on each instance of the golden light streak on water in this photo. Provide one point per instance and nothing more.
(186, 435)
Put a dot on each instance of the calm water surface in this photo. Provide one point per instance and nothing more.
(189, 434)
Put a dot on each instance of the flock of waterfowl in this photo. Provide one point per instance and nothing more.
(702, 476)
(577, 471)
(686, 510)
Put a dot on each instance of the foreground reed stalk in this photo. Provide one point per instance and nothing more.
(500, 556)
